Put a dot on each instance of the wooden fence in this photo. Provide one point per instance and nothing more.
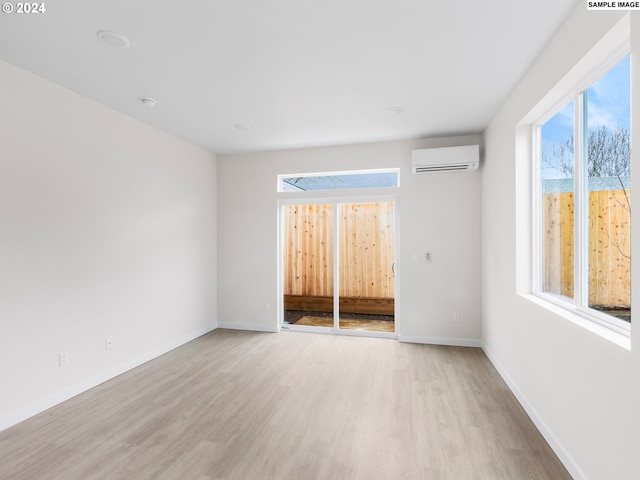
(366, 248)
(609, 246)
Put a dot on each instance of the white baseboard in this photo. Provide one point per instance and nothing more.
(452, 342)
(40, 406)
(248, 327)
(572, 467)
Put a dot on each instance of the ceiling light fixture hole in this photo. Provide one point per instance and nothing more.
(148, 102)
(113, 39)
(395, 110)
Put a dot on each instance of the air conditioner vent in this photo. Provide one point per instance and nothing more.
(448, 159)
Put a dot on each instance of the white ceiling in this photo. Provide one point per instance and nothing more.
(299, 72)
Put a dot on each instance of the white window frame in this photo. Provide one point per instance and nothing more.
(579, 303)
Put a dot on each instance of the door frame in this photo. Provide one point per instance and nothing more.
(336, 201)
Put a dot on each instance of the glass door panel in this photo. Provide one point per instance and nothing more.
(308, 237)
(366, 266)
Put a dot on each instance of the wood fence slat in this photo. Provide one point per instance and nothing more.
(609, 257)
(366, 250)
(567, 254)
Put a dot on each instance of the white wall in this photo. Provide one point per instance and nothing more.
(107, 227)
(439, 213)
(582, 390)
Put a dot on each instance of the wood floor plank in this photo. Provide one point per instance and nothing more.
(244, 405)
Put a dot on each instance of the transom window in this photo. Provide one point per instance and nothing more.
(583, 200)
(339, 180)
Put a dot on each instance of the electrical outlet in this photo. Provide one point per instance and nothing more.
(63, 358)
(427, 257)
(267, 307)
(108, 342)
(456, 317)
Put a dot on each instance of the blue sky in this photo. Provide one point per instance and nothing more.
(608, 103)
(608, 98)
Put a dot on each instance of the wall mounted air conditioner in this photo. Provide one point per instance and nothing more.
(448, 159)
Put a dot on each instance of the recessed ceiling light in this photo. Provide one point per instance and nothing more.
(113, 39)
(243, 127)
(395, 110)
(148, 102)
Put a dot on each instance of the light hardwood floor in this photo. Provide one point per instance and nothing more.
(244, 405)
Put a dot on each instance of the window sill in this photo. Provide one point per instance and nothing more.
(619, 339)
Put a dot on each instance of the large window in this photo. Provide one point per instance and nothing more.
(583, 153)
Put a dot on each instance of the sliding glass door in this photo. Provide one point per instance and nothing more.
(339, 247)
